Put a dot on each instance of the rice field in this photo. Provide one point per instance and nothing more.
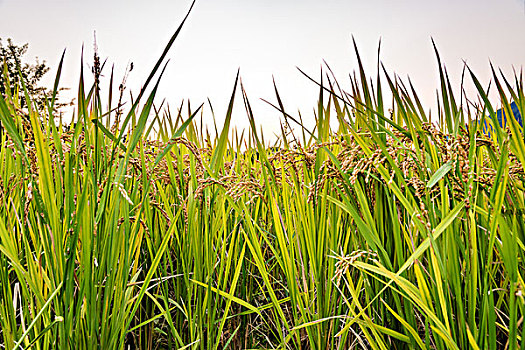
(134, 227)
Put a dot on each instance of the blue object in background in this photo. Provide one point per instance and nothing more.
(502, 118)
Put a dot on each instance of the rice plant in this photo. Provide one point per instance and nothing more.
(138, 228)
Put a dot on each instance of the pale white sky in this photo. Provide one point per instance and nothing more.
(266, 38)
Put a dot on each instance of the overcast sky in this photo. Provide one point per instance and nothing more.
(269, 37)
